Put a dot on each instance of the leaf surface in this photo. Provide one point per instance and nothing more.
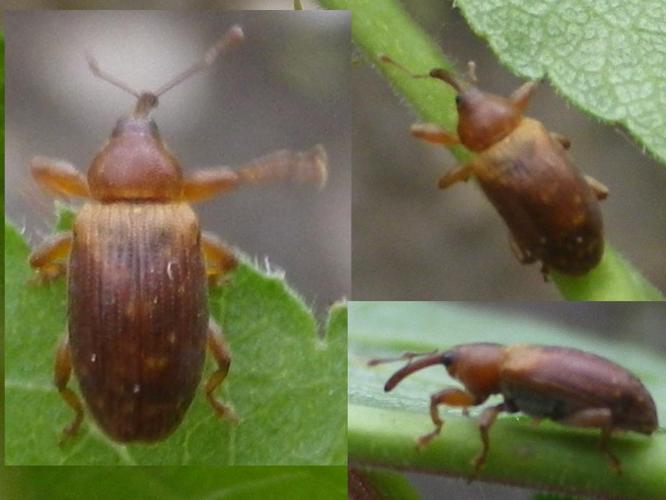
(608, 57)
(173, 483)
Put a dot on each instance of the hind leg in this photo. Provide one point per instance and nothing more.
(62, 374)
(599, 418)
(220, 350)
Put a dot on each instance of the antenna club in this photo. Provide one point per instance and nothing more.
(233, 36)
(236, 33)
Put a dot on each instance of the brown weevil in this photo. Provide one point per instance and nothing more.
(549, 206)
(138, 266)
(566, 385)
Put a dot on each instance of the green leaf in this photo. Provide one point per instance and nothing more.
(383, 427)
(607, 57)
(286, 383)
(383, 27)
(174, 483)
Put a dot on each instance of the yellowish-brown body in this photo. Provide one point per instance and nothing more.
(551, 211)
(557, 382)
(138, 315)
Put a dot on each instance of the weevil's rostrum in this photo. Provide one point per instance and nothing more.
(138, 267)
(549, 206)
(566, 385)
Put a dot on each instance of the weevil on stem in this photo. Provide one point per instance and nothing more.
(551, 208)
(566, 385)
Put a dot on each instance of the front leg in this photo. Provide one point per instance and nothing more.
(48, 260)
(284, 165)
(59, 177)
(449, 397)
(459, 174)
(434, 134)
(220, 259)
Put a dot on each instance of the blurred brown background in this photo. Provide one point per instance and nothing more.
(414, 242)
(287, 86)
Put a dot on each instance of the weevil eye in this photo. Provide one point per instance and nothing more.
(458, 99)
(448, 358)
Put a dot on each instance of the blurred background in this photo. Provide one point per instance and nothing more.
(414, 242)
(287, 86)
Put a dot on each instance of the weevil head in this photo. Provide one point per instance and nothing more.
(476, 366)
(483, 118)
(134, 164)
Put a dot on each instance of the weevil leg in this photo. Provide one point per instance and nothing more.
(524, 255)
(48, 260)
(561, 139)
(460, 174)
(545, 272)
(220, 259)
(284, 165)
(601, 418)
(600, 190)
(522, 95)
(449, 397)
(218, 347)
(527, 256)
(434, 134)
(603, 444)
(486, 420)
(62, 373)
(59, 177)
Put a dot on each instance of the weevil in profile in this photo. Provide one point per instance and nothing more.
(138, 267)
(566, 385)
(551, 208)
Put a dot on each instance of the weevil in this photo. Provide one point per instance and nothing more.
(566, 385)
(550, 207)
(138, 266)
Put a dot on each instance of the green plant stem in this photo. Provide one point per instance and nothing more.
(520, 453)
(615, 278)
(373, 483)
(383, 27)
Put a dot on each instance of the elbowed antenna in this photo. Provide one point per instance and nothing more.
(427, 359)
(147, 101)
